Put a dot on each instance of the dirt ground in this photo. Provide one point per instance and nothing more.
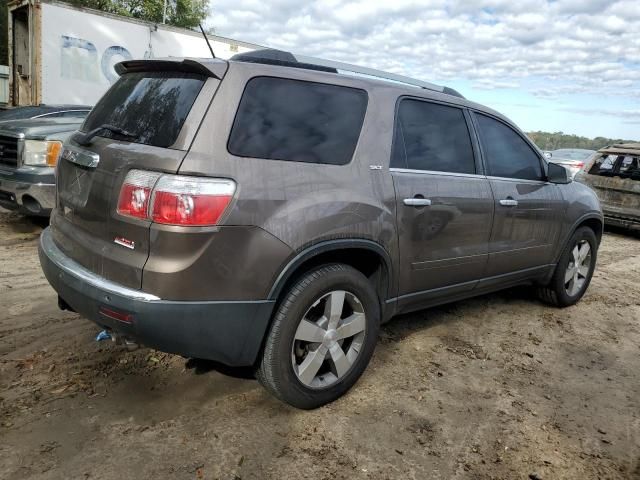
(495, 387)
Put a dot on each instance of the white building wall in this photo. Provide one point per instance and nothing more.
(79, 50)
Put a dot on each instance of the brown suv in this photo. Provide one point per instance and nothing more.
(272, 212)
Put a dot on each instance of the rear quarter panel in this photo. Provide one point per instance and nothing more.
(302, 204)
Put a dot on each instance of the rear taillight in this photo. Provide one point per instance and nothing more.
(135, 193)
(175, 199)
(179, 200)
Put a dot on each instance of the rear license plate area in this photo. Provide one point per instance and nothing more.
(74, 184)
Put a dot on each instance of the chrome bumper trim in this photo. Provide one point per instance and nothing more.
(44, 193)
(74, 269)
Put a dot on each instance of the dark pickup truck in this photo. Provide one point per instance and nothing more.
(29, 151)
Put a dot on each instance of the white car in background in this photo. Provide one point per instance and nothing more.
(573, 159)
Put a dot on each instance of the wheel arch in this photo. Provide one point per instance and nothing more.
(366, 256)
(592, 220)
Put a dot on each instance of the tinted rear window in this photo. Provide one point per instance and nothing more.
(283, 119)
(151, 105)
(430, 136)
(625, 166)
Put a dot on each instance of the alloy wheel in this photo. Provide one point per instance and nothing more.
(328, 339)
(578, 268)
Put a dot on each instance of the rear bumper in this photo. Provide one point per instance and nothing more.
(228, 332)
(32, 192)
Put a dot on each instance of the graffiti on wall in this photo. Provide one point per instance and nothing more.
(80, 60)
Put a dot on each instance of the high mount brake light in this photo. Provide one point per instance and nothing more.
(175, 199)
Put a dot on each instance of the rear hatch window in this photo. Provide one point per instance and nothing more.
(151, 106)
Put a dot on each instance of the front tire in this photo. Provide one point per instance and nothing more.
(322, 337)
(574, 271)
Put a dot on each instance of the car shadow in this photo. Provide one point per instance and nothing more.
(201, 366)
(404, 325)
(394, 331)
(19, 223)
(627, 232)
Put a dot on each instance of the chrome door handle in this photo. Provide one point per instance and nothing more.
(509, 202)
(417, 202)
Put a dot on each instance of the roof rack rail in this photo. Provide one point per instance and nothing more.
(280, 57)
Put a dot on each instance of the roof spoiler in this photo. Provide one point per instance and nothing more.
(187, 65)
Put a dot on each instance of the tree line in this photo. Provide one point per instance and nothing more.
(553, 141)
(180, 13)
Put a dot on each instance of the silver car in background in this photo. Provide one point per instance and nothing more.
(573, 159)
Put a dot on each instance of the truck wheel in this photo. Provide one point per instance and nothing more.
(322, 337)
(574, 270)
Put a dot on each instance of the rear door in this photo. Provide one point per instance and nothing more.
(528, 209)
(444, 203)
(153, 106)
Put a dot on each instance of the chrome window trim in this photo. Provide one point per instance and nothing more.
(468, 175)
(436, 172)
(520, 180)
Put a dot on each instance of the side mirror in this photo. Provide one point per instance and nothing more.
(558, 174)
(548, 155)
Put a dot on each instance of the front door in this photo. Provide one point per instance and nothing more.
(528, 209)
(444, 206)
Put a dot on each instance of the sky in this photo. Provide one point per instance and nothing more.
(559, 65)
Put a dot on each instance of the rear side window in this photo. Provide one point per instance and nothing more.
(430, 136)
(152, 106)
(625, 166)
(507, 154)
(284, 119)
(630, 167)
(604, 165)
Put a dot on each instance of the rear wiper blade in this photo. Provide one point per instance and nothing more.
(85, 138)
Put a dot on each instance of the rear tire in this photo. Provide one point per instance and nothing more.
(573, 272)
(322, 337)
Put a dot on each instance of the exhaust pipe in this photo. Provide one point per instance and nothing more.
(118, 339)
(62, 305)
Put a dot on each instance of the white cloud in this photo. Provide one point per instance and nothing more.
(581, 6)
(547, 48)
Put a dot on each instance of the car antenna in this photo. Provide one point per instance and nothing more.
(207, 40)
